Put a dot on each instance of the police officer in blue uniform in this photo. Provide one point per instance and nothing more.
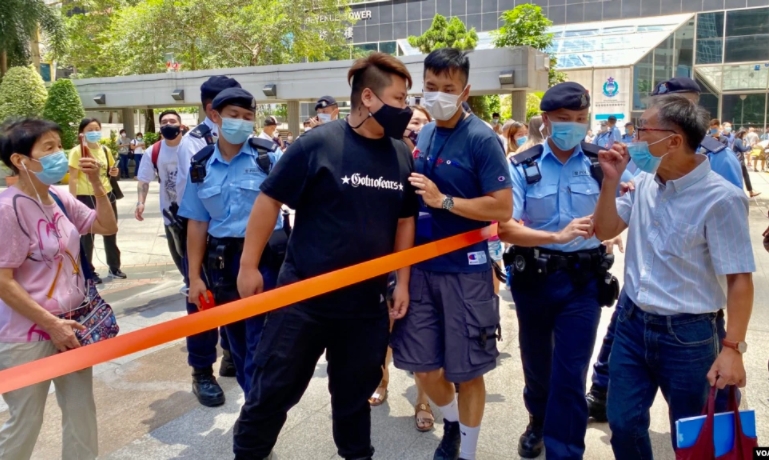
(629, 135)
(722, 161)
(560, 274)
(201, 348)
(222, 186)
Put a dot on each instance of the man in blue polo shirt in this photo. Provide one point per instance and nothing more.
(450, 331)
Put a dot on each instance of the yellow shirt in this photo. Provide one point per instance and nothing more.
(106, 161)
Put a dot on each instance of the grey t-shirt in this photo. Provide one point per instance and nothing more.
(123, 145)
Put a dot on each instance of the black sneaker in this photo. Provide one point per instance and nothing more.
(448, 449)
(97, 280)
(532, 442)
(206, 388)
(596, 405)
(227, 368)
(117, 274)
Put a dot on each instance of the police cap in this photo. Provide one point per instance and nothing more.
(677, 85)
(215, 85)
(234, 96)
(568, 95)
(325, 101)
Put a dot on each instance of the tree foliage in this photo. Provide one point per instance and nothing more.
(137, 37)
(22, 93)
(19, 23)
(65, 108)
(525, 25)
(445, 33)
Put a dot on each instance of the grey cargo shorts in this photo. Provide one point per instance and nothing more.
(452, 323)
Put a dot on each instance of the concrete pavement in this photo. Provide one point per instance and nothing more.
(146, 410)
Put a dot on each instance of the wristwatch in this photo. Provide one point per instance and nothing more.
(448, 202)
(741, 347)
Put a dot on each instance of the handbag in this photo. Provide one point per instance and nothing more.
(704, 447)
(94, 313)
(113, 181)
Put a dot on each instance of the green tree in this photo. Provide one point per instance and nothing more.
(525, 25)
(22, 93)
(20, 24)
(65, 108)
(126, 37)
(443, 34)
(532, 104)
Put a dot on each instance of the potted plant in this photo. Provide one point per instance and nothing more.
(10, 177)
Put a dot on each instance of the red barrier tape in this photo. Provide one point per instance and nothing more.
(132, 342)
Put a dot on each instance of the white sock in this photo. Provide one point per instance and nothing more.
(451, 411)
(469, 441)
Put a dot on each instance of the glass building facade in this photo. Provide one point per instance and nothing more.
(619, 49)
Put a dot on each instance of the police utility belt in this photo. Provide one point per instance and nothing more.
(581, 266)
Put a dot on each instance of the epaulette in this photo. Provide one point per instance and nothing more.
(202, 131)
(712, 145)
(591, 152)
(263, 148)
(527, 155)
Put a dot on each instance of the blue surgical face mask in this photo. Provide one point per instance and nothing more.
(93, 136)
(643, 158)
(567, 134)
(235, 130)
(521, 140)
(713, 131)
(55, 167)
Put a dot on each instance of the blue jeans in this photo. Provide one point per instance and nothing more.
(601, 366)
(672, 353)
(557, 323)
(123, 165)
(138, 161)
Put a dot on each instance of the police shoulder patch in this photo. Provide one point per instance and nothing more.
(712, 145)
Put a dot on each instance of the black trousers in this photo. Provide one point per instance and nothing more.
(110, 241)
(293, 340)
(172, 249)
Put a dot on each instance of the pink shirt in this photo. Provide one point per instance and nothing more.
(42, 246)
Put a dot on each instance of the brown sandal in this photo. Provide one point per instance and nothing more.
(379, 396)
(423, 424)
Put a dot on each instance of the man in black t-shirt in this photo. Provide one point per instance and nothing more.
(348, 181)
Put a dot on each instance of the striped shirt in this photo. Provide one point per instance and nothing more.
(684, 237)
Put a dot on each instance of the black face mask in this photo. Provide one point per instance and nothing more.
(170, 132)
(412, 136)
(393, 120)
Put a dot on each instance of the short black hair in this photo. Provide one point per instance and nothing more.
(675, 111)
(121, 131)
(375, 72)
(445, 61)
(169, 112)
(612, 118)
(87, 121)
(20, 136)
(140, 134)
(495, 114)
(628, 124)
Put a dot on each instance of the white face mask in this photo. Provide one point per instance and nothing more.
(442, 106)
(324, 117)
(290, 138)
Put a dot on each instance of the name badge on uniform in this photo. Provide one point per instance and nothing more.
(581, 173)
(476, 258)
(251, 171)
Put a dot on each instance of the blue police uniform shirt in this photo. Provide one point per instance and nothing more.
(727, 165)
(628, 138)
(465, 162)
(227, 194)
(565, 192)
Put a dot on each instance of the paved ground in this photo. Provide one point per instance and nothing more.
(146, 410)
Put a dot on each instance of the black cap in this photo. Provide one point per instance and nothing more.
(568, 95)
(677, 85)
(215, 85)
(270, 121)
(234, 96)
(325, 101)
